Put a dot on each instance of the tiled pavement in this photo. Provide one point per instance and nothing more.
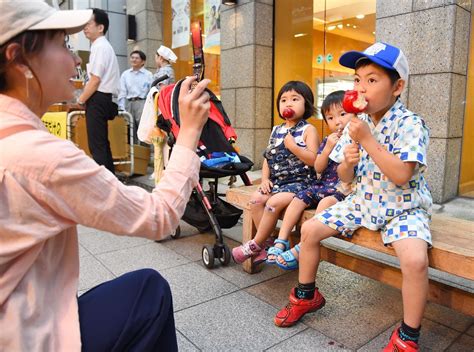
(225, 309)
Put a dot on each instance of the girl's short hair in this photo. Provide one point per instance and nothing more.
(305, 91)
(332, 99)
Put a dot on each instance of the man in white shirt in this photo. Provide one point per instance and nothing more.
(101, 90)
(134, 86)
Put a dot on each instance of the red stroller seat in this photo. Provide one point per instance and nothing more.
(206, 210)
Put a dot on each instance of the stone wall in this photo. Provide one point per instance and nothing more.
(434, 35)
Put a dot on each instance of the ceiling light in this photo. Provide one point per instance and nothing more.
(297, 35)
(360, 16)
(331, 28)
(339, 26)
(354, 27)
(229, 2)
(348, 24)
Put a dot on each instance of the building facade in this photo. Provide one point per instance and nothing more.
(264, 43)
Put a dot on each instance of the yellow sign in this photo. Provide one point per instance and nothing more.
(56, 123)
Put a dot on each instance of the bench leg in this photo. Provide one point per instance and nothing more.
(248, 232)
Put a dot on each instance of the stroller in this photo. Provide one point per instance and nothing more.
(206, 210)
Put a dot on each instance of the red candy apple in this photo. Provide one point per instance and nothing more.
(288, 113)
(353, 102)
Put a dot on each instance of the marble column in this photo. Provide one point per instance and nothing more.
(246, 73)
(434, 35)
(148, 15)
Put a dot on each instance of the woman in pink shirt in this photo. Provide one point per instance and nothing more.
(48, 186)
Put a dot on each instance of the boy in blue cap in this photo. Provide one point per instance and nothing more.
(384, 151)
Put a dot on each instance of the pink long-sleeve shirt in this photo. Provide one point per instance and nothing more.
(47, 186)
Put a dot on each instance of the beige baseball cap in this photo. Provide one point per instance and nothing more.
(17, 16)
(167, 53)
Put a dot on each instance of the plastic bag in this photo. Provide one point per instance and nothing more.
(148, 118)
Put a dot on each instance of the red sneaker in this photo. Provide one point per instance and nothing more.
(396, 344)
(298, 307)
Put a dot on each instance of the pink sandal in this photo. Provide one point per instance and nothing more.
(247, 250)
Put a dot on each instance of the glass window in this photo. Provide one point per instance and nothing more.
(466, 180)
(208, 13)
(311, 35)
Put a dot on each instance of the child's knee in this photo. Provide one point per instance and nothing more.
(277, 205)
(415, 263)
(308, 229)
(257, 200)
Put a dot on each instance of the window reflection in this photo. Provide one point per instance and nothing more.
(210, 26)
(311, 35)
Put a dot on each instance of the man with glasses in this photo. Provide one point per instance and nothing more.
(134, 86)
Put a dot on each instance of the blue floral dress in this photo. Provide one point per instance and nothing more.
(287, 172)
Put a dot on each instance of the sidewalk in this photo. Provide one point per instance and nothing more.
(226, 309)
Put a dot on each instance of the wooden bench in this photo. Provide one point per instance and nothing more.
(452, 253)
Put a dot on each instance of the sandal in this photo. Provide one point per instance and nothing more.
(276, 251)
(291, 262)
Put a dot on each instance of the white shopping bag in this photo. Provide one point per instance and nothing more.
(148, 118)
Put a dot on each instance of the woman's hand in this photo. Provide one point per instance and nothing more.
(194, 108)
(265, 186)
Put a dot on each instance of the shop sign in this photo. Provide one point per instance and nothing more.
(180, 22)
(56, 123)
(212, 23)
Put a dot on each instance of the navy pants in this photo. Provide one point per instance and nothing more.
(133, 312)
(99, 110)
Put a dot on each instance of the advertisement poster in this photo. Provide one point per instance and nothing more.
(180, 18)
(212, 23)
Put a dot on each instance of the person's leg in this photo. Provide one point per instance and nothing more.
(133, 312)
(97, 109)
(410, 236)
(136, 111)
(306, 298)
(255, 247)
(312, 233)
(323, 204)
(273, 208)
(292, 215)
(413, 255)
(257, 204)
(251, 248)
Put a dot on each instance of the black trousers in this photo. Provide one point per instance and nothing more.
(100, 109)
(133, 312)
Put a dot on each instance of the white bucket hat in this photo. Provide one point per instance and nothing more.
(167, 53)
(17, 16)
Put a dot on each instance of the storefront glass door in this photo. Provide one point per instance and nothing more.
(466, 180)
(311, 35)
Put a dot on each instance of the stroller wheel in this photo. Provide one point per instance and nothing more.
(225, 256)
(208, 256)
(176, 233)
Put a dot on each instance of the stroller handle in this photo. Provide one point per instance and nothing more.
(159, 79)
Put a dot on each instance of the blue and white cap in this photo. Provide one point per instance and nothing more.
(382, 54)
